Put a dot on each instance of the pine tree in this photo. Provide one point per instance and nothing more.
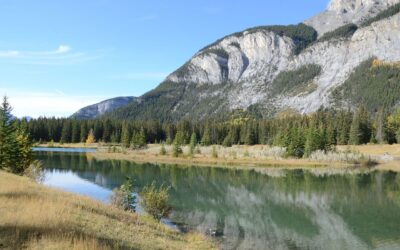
(206, 139)
(84, 132)
(125, 136)
(76, 133)
(15, 145)
(139, 139)
(355, 131)
(177, 149)
(8, 143)
(193, 143)
(66, 132)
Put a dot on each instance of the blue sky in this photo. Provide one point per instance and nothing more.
(57, 56)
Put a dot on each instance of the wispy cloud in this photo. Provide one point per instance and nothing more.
(63, 54)
(49, 103)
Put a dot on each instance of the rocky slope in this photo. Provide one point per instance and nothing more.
(98, 109)
(240, 70)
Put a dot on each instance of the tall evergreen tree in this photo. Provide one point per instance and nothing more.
(206, 139)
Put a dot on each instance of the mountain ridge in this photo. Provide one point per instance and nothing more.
(240, 71)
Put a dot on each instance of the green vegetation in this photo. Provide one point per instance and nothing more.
(301, 34)
(15, 144)
(139, 139)
(155, 201)
(295, 81)
(373, 84)
(219, 52)
(123, 197)
(344, 31)
(391, 11)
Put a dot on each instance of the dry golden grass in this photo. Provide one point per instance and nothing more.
(236, 156)
(375, 149)
(70, 145)
(33, 216)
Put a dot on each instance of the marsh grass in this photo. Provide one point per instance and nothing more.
(36, 217)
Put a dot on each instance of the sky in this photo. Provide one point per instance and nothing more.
(59, 56)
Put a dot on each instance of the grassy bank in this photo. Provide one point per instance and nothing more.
(236, 156)
(33, 216)
(250, 156)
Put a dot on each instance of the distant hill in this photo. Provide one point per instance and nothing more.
(98, 109)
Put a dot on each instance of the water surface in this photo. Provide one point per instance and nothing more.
(249, 210)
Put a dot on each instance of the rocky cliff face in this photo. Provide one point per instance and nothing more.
(341, 12)
(238, 71)
(96, 110)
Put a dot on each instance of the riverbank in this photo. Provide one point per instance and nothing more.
(385, 157)
(37, 217)
(238, 156)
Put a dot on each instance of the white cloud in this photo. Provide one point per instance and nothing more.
(52, 103)
(63, 54)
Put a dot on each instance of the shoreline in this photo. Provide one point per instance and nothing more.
(239, 157)
(56, 219)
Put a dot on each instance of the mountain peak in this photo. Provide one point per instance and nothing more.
(342, 12)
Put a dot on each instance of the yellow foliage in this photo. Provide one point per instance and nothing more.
(380, 63)
(91, 139)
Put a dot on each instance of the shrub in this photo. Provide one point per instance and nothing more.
(214, 152)
(123, 197)
(163, 151)
(155, 201)
(35, 172)
(347, 156)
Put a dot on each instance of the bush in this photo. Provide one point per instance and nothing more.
(163, 151)
(348, 156)
(214, 152)
(123, 197)
(155, 201)
(35, 172)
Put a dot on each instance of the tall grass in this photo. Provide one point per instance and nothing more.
(36, 217)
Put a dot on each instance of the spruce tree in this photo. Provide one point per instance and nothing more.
(66, 132)
(206, 139)
(15, 145)
(193, 143)
(8, 143)
(355, 131)
(125, 136)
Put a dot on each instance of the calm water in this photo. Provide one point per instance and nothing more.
(249, 210)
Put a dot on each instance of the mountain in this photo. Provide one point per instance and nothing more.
(343, 57)
(98, 109)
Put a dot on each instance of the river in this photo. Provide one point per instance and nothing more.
(245, 209)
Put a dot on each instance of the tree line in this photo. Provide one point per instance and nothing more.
(299, 134)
